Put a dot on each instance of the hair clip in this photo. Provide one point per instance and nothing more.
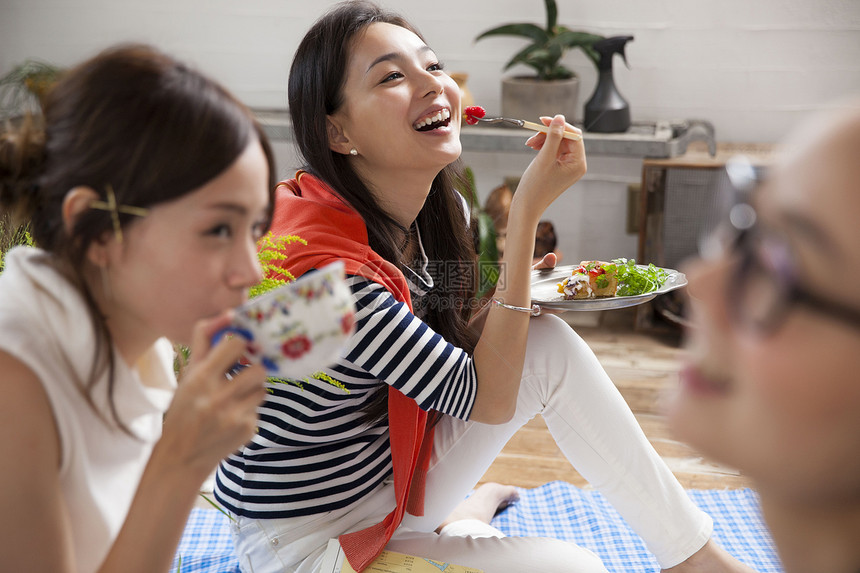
(114, 209)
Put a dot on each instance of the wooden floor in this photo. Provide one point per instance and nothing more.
(644, 366)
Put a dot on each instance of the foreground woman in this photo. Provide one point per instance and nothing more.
(772, 387)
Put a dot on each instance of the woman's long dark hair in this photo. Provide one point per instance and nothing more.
(132, 120)
(315, 91)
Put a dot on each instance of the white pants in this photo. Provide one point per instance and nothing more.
(592, 425)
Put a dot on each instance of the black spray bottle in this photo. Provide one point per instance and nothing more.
(607, 111)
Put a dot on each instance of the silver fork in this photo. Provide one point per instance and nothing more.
(572, 135)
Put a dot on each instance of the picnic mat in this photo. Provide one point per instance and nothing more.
(557, 509)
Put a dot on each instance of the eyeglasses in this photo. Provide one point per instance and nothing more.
(768, 283)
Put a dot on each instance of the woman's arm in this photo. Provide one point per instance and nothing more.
(31, 503)
(210, 417)
(476, 323)
(500, 351)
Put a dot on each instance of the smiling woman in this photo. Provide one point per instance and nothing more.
(434, 389)
(413, 139)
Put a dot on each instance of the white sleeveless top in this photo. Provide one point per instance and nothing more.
(45, 324)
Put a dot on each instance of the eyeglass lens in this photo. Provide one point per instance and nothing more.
(764, 283)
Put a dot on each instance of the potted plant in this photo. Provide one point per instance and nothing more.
(23, 89)
(553, 88)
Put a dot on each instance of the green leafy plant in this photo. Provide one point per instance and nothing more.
(11, 236)
(269, 251)
(548, 44)
(24, 88)
(488, 253)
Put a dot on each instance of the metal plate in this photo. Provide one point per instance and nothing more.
(545, 291)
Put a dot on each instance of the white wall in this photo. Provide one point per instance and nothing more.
(752, 67)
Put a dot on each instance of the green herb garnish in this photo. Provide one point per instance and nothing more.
(634, 280)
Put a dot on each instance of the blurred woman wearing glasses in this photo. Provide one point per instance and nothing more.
(773, 381)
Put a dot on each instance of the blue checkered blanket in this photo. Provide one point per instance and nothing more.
(557, 509)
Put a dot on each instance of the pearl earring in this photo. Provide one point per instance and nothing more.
(353, 152)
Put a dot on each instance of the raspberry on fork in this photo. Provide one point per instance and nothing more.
(472, 113)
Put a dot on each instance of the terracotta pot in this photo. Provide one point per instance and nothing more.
(529, 98)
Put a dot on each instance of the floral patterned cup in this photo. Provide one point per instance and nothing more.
(300, 327)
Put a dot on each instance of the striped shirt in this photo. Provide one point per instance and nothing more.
(314, 451)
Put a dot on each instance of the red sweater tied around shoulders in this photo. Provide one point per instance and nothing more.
(334, 231)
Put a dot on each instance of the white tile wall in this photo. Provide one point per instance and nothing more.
(752, 67)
